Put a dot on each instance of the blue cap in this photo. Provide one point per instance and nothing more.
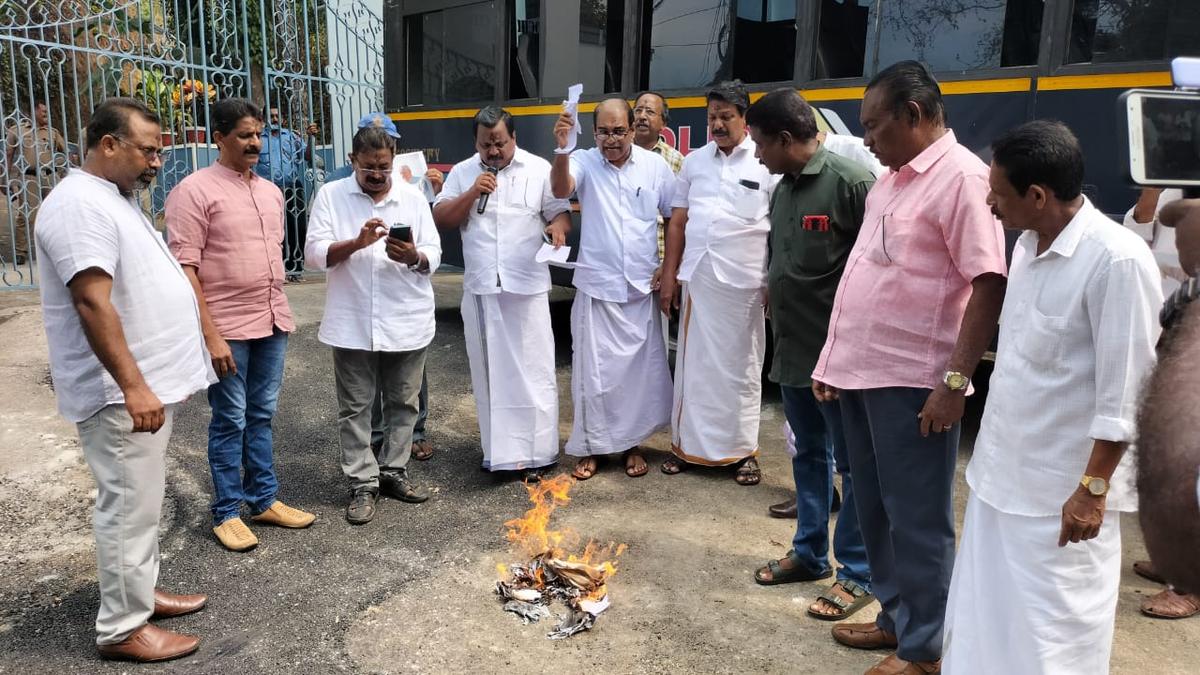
(379, 120)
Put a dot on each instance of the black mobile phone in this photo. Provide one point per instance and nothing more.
(401, 232)
(747, 183)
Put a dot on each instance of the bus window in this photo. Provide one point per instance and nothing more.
(764, 40)
(524, 48)
(857, 38)
(452, 55)
(1104, 31)
(689, 44)
(601, 34)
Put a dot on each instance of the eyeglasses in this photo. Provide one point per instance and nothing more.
(374, 172)
(615, 133)
(643, 110)
(149, 152)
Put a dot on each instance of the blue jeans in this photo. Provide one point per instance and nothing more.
(240, 444)
(819, 442)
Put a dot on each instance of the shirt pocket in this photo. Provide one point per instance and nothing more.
(1042, 338)
(520, 193)
(892, 240)
(748, 203)
(643, 202)
(807, 249)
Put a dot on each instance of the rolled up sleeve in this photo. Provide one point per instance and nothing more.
(1123, 306)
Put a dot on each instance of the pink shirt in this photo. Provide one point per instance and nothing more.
(231, 231)
(926, 235)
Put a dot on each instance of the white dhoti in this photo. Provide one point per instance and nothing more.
(620, 381)
(1020, 604)
(510, 346)
(718, 371)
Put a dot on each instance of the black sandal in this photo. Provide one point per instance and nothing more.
(794, 574)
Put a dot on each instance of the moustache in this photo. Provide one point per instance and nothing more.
(254, 151)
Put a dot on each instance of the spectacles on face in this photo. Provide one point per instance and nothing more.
(648, 112)
(619, 132)
(149, 152)
(374, 172)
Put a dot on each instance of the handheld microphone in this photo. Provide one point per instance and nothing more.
(484, 199)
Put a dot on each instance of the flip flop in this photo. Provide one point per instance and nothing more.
(748, 472)
(673, 465)
(861, 596)
(579, 474)
(629, 470)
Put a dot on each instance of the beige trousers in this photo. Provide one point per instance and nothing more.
(130, 472)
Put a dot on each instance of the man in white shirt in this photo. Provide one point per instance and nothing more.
(715, 275)
(378, 314)
(620, 382)
(1034, 588)
(125, 348)
(500, 197)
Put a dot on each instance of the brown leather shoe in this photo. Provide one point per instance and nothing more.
(235, 536)
(169, 604)
(150, 643)
(783, 510)
(283, 515)
(894, 665)
(864, 636)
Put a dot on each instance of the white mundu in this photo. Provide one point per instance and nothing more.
(506, 311)
(620, 381)
(1077, 336)
(722, 331)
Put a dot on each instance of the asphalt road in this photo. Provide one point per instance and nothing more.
(410, 592)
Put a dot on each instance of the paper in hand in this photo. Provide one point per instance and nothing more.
(571, 105)
(548, 254)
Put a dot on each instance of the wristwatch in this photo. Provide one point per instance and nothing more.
(1097, 487)
(955, 381)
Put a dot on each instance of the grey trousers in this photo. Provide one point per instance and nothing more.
(130, 472)
(904, 491)
(361, 377)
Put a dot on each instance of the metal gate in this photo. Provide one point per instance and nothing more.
(317, 62)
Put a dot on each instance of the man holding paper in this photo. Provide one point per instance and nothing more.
(619, 378)
(500, 197)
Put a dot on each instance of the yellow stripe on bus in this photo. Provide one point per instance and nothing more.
(953, 88)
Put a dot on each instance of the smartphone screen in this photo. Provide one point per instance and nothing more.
(1164, 138)
(401, 232)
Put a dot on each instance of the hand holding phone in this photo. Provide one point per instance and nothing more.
(401, 232)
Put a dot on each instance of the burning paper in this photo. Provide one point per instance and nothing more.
(578, 581)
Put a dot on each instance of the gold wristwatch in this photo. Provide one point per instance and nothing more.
(955, 380)
(1097, 487)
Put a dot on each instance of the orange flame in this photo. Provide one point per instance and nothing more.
(532, 536)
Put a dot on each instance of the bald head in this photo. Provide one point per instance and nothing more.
(615, 111)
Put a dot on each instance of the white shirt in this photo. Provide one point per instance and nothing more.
(1077, 336)
(85, 222)
(726, 197)
(372, 302)
(851, 147)
(618, 239)
(499, 246)
(1162, 242)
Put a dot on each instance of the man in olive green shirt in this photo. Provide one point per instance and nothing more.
(815, 212)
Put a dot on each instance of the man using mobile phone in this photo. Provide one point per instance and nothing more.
(500, 198)
(379, 315)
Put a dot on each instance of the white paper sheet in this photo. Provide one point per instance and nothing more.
(548, 254)
(415, 161)
(572, 106)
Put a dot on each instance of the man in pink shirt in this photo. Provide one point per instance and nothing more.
(915, 310)
(225, 225)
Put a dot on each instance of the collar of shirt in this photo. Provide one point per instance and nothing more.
(1068, 240)
(235, 176)
(814, 164)
(743, 145)
(929, 156)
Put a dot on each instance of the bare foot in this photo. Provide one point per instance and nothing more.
(635, 464)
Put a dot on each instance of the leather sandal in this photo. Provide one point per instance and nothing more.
(787, 575)
(862, 598)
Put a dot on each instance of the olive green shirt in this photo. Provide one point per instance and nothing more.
(815, 218)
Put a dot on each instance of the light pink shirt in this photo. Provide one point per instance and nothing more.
(926, 235)
(231, 231)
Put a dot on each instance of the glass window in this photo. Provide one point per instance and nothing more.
(452, 55)
(764, 40)
(1108, 31)
(860, 37)
(689, 43)
(524, 39)
(601, 34)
